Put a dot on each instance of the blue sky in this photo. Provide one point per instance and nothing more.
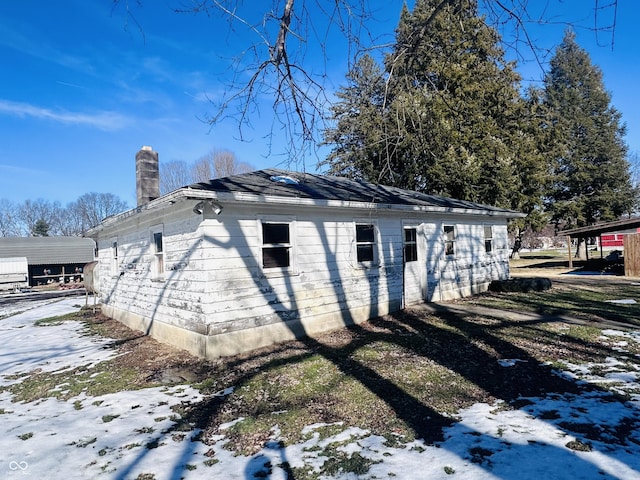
(83, 87)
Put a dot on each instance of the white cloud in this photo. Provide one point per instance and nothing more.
(104, 120)
(19, 170)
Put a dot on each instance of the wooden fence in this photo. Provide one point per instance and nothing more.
(632, 255)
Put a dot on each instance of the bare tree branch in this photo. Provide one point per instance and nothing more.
(281, 41)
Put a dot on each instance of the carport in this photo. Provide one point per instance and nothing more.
(631, 244)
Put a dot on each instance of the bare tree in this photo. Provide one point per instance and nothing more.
(9, 219)
(71, 221)
(40, 210)
(203, 169)
(173, 175)
(95, 207)
(279, 43)
(218, 164)
(29, 217)
(215, 164)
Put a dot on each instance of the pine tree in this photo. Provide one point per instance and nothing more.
(358, 151)
(451, 62)
(450, 120)
(592, 180)
(40, 228)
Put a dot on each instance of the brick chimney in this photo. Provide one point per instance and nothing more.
(147, 175)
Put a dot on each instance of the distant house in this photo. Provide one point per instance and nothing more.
(50, 259)
(245, 261)
(611, 240)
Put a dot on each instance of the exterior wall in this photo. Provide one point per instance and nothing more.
(215, 298)
(613, 240)
(470, 269)
(14, 273)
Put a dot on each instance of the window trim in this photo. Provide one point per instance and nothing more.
(375, 261)
(158, 267)
(411, 243)
(488, 241)
(290, 246)
(449, 239)
(113, 256)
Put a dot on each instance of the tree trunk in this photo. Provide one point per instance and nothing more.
(581, 249)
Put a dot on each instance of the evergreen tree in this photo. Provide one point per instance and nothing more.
(358, 151)
(447, 119)
(40, 228)
(592, 179)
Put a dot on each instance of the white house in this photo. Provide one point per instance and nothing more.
(245, 261)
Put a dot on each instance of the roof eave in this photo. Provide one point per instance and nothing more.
(152, 206)
(239, 197)
(187, 193)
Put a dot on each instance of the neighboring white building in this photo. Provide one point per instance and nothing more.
(50, 259)
(242, 262)
(14, 273)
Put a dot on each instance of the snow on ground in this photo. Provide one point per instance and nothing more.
(21, 305)
(128, 434)
(26, 348)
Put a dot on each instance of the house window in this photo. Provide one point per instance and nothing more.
(488, 239)
(410, 245)
(158, 253)
(276, 245)
(365, 242)
(449, 239)
(114, 257)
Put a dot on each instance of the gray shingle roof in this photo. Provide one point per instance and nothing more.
(322, 187)
(48, 250)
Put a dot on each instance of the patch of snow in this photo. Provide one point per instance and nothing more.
(226, 426)
(284, 179)
(589, 273)
(20, 306)
(509, 362)
(50, 347)
(623, 301)
(311, 428)
(224, 393)
(613, 333)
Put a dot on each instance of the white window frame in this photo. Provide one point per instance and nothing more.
(289, 246)
(375, 261)
(488, 241)
(413, 243)
(449, 237)
(113, 256)
(158, 257)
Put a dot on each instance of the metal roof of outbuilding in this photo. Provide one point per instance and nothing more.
(619, 226)
(49, 250)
